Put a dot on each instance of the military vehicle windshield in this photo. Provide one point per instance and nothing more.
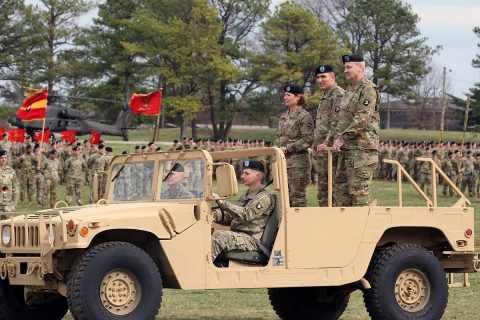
(134, 182)
(182, 179)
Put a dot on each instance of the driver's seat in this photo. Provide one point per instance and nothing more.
(267, 240)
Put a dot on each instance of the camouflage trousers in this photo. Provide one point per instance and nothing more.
(74, 186)
(50, 188)
(322, 186)
(358, 166)
(298, 180)
(39, 182)
(446, 186)
(425, 182)
(470, 180)
(27, 180)
(223, 240)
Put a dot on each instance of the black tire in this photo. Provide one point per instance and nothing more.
(109, 266)
(411, 274)
(13, 306)
(304, 303)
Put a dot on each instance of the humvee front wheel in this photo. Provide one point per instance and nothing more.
(114, 280)
(408, 282)
(13, 306)
(310, 303)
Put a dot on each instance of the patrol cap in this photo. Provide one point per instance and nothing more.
(254, 165)
(3, 152)
(323, 68)
(293, 88)
(352, 58)
(108, 149)
(177, 167)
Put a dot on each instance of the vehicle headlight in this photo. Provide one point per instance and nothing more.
(51, 234)
(6, 235)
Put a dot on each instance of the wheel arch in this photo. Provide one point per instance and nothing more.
(428, 237)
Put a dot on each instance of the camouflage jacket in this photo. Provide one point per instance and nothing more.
(447, 166)
(327, 116)
(97, 162)
(359, 120)
(467, 165)
(26, 163)
(74, 168)
(10, 187)
(295, 132)
(249, 215)
(402, 156)
(176, 193)
(50, 169)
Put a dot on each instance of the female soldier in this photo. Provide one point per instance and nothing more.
(294, 137)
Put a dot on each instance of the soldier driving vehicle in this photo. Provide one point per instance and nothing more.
(112, 259)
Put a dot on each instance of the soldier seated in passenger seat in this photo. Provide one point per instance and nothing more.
(172, 187)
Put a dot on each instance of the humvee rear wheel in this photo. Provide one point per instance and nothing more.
(408, 282)
(311, 303)
(13, 306)
(114, 280)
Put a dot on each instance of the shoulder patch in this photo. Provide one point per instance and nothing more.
(259, 205)
(366, 102)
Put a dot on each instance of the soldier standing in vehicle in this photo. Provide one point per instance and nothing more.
(247, 218)
(73, 170)
(294, 137)
(50, 168)
(172, 187)
(325, 130)
(359, 124)
(9, 186)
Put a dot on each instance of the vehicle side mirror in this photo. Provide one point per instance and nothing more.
(226, 180)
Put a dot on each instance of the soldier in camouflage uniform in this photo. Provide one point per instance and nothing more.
(37, 174)
(476, 174)
(358, 128)
(447, 168)
(467, 174)
(9, 186)
(294, 137)
(425, 176)
(6, 145)
(73, 171)
(325, 130)
(97, 164)
(173, 187)
(247, 218)
(26, 164)
(50, 168)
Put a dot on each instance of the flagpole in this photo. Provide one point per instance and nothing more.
(157, 124)
(43, 132)
(465, 120)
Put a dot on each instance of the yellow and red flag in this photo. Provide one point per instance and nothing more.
(43, 136)
(68, 135)
(95, 137)
(34, 106)
(16, 135)
(148, 104)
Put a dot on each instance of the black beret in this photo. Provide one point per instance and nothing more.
(85, 141)
(143, 147)
(75, 148)
(254, 165)
(158, 148)
(150, 143)
(293, 88)
(450, 153)
(101, 146)
(108, 149)
(3, 152)
(352, 58)
(53, 151)
(324, 68)
(175, 141)
(137, 147)
(125, 152)
(177, 167)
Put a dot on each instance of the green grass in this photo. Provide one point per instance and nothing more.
(249, 304)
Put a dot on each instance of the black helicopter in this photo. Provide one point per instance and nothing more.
(60, 118)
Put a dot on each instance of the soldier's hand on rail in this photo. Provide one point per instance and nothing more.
(337, 144)
(321, 146)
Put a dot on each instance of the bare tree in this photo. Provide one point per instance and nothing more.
(332, 12)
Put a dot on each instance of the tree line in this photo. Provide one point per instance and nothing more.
(221, 57)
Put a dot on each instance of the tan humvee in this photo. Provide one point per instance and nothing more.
(112, 259)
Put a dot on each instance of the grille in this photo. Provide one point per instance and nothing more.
(24, 240)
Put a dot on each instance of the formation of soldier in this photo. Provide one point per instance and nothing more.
(460, 162)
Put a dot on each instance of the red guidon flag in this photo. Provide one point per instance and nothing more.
(68, 135)
(16, 135)
(2, 132)
(42, 137)
(148, 104)
(34, 106)
(95, 137)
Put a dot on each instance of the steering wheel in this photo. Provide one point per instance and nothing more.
(219, 207)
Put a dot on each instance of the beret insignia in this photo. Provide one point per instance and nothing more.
(366, 102)
(322, 69)
(246, 163)
(347, 58)
(287, 88)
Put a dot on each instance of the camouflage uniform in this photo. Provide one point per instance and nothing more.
(476, 174)
(325, 130)
(26, 165)
(180, 192)
(447, 168)
(7, 146)
(425, 177)
(38, 178)
(247, 219)
(359, 127)
(97, 163)
(295, 133)
(73, 171)
(10, 189)
(50, 169)
(467, 175)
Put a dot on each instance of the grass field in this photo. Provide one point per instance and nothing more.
(250, 304)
